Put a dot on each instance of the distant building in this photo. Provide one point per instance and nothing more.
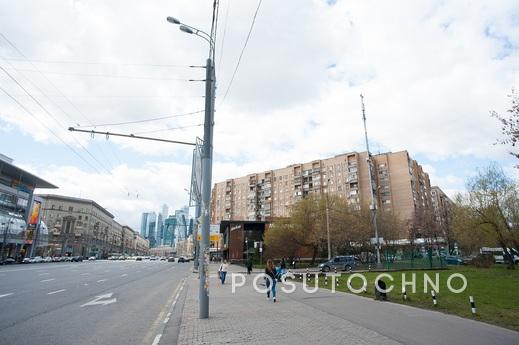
(83, 227)
(170, 225)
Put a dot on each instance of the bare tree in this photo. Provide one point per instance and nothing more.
(510, 124)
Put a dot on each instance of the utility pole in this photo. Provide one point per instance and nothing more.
(373, 204)
(328, 222)
(207, 162)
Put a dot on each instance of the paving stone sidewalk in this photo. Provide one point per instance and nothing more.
(247, 317)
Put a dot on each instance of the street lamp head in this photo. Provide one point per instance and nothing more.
(186, 29)
(173, 20)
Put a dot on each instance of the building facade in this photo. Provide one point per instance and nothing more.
(399, 182)
(20, 212)
(442, 206)
(82, 227)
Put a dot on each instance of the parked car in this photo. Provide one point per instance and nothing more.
(26, 261)
(181, 259)
(77, 259)
(454, 260)
(139, 258)
(92, 258)
(345, 263)
(47, 259)
(8, 261)
(171, 259)
(37, 259)
(56, 259)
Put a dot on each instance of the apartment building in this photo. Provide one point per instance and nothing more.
(442, 208)
(83, 227)
(400, 185)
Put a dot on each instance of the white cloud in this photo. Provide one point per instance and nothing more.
(430, 71)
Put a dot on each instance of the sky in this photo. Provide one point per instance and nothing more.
(430, 72)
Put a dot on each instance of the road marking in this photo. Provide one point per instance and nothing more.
(43, 274)
(86, 284)
(84, 274)
(47, 280)
(99, 300)
(157, 339)
(57, 291)
(124, 275)
(5, 295)
(101, 280)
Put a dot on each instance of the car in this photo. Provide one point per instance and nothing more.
(56, 259)
(153, 258)
(37, 259)
(26, 261)
(139, 258)
(344, 263)
(47, 259)
(8, 261)
(171, 259)
(163, 258)
(454, 260)
(181, 259)
(77, 259)
(92, 258)
(122, 257)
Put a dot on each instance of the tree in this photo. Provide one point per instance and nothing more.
(279, 239)
(489, 212)
(510, 124)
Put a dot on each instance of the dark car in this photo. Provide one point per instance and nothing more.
(344, 263)
(77, 259)
(171, 259)
(181, 259)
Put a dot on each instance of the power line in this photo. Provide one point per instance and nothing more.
(101, 75)
(241, 54)
(169, 129)
(98, 63)
(224, 32)
(51, 116)
(49, 129)
(142, 121)
(13, 46)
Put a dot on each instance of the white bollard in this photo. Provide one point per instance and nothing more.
(472, 305)
(404, 294)
(433, 294)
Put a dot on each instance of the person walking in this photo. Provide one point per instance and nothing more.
(223, 270)
(283, 266)
(270, 271)
(249, 266)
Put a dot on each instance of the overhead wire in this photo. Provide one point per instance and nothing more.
(241, 54)
(142, 121)
(224, 32)
(168, 129)
(13, 46)
(99, 63)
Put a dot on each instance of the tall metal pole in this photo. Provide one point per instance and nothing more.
(197, 230)
(328, 224)
(373, 204)
(207, 161)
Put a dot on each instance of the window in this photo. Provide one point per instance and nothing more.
(70, 209)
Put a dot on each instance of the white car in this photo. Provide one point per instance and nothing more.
(37, 259)
(47, 259)
(92, 258)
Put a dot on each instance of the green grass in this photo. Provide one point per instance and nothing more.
(495, 291)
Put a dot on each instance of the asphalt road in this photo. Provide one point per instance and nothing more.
(102, 302)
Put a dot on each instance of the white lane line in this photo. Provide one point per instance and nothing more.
(43, 274)
(47, 280)
(157, 339)
(101, 280)
(84, 274)
(86, 284)
(124, 275)
(6, 294)
(57, 291)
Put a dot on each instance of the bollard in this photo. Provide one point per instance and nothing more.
(369, 267)
(433, 294)
(337, 282)
(326, 280)
(472, 305)
(404, 294)
(335, 269)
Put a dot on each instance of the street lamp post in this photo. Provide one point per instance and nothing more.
(328, 221)
(207, 161)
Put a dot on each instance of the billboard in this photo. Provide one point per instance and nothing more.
(35, 214)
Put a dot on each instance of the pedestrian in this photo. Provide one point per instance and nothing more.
(223, 270)
(249, 266)
(283, 266)
(270, 271)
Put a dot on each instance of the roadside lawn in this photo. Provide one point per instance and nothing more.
(495, 291)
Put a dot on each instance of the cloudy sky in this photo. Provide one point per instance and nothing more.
(430, 71)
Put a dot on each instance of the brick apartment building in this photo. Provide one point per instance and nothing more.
(400, 184)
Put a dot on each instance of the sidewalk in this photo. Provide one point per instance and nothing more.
(247, 317)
